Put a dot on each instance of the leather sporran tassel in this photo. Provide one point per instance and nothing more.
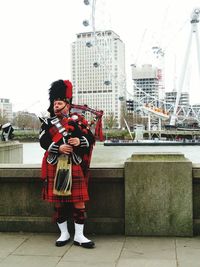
(63, 177)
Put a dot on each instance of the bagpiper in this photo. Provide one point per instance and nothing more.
(68, 142)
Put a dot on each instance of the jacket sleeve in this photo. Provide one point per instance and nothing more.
(44, 136)
(47, 143)
(45, 139)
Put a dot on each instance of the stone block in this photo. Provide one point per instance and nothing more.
(158, 195)
(11, 152)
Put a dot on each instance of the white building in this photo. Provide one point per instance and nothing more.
(6, 109)
(147, 80)
(98, 72)
(184, 100)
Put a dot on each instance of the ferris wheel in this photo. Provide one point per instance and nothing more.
(99, 23)
(194, 31)
(155, 108)
(175, 113)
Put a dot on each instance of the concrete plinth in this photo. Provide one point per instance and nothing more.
(11, 152)
(158, 195)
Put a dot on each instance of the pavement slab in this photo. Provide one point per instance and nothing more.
(148, 252)
(107, 251)
(39, 250)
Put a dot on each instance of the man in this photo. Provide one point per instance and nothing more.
(67, 136)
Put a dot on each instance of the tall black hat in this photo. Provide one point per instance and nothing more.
(60, 90)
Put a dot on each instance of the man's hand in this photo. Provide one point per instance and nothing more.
(75, 141)
(65, 149)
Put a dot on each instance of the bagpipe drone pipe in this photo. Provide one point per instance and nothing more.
(97, 120)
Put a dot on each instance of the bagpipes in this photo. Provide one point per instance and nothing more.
(63, 178)
(98, 120)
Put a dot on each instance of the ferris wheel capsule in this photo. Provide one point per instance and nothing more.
(88, 44)
(197, 11)
(121, 98)
(107, 82)
(96, 64)
(86, 2)
(86, 23)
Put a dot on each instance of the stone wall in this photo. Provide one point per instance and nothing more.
(22, 207)
(11, 152)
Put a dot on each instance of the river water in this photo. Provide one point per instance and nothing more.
(33, 153)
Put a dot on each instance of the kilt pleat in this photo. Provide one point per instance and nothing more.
(79, 185)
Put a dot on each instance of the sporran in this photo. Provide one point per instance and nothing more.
(63, 177)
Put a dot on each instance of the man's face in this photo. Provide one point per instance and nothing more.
(60, 107)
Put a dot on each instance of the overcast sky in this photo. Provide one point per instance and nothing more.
(36, 36)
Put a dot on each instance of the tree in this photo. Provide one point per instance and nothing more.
(25, 120)
(110, 121)
(3, 119)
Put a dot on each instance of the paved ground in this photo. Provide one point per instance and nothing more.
(35, 250)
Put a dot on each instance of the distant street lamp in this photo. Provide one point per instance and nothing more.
(106, 132)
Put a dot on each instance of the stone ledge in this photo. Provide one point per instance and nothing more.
(157, 156)
(35, 172)
(44, 224)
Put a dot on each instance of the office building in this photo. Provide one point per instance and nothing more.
(6, 109)
(98, 72)
(147, 84)
(170, 98)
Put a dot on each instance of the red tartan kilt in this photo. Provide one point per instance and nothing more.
(79, 185)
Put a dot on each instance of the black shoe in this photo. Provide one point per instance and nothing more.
(89, 244)
(62, 243)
